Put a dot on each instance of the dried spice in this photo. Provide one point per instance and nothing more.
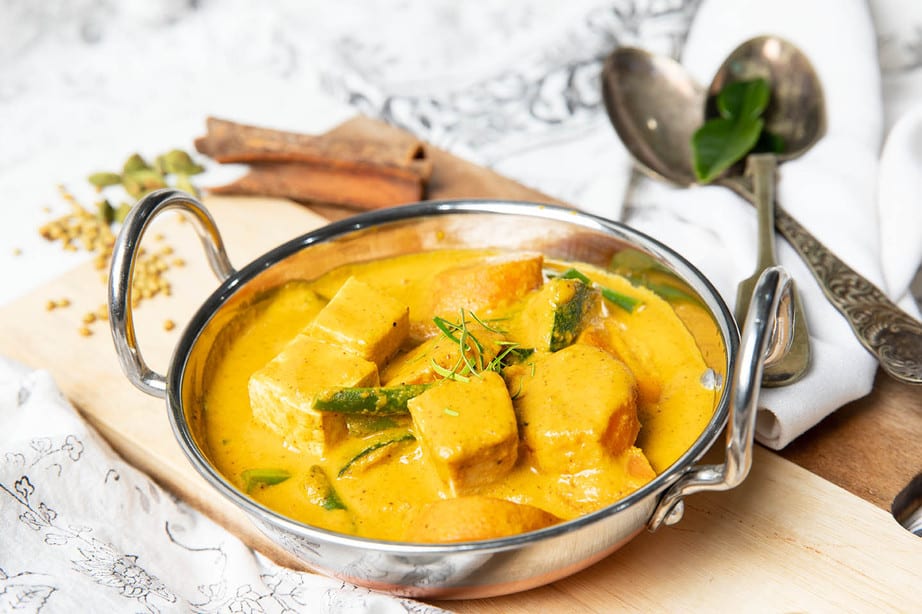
(90, 229)
(138, 177)
(177, 162)
(102, 180)
(329, 168)
(135, 163)
(140, 182)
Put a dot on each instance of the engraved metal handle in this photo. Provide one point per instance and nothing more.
(121, 274)
(759, 343)
(886, 331)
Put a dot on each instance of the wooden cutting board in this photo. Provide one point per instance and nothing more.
(787, 539)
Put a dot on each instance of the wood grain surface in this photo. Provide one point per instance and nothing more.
(872, 447)
(809, 530)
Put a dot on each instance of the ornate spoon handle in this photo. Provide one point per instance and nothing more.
(887, 331)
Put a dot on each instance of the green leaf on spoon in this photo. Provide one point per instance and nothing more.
(743, 100)
(721, 142)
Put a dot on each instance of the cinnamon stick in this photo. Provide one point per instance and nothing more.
(308, 183)
(327, 168)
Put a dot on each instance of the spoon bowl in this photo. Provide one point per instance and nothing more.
(797, 109)
(655, 107)
(797, 115)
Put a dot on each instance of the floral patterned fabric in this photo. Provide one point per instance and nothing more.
(83, 531)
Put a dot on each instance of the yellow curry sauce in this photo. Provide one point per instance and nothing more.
(559, 425)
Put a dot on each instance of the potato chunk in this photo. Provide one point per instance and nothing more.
(613, 479)
(467, 429)
(363, 320)
(475, 517)
(283, 391)
(570, 427)
(490, 283)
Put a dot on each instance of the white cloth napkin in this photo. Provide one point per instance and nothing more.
(833, 190)
(530, 108)
(92, 533)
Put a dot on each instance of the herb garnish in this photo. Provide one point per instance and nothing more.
(471, 361)
(628, 303)
(723, 141)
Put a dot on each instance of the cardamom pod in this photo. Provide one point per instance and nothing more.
(140, 182)
(185, 184)
(135, 163)
(177, 161)
(104, 211)
(102, 180)
(121, 212)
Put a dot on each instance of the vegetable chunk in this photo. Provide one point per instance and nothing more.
(282, 393)
(614, 478)
(468, 430)
(554, 315)
(475, 517)
(661, 352)
(493, 282)
(362, 320)
(373, 401)
(570, 428)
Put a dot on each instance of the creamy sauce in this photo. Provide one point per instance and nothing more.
(385, 490)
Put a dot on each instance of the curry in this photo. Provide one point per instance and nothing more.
(453, 395)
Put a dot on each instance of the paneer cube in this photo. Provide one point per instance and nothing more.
(282, 393)
(468, 430)
(487, 284)
(481, 346)
(609, 337)
(570, 428)
(363, 320)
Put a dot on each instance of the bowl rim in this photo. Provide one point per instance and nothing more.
(362, 221)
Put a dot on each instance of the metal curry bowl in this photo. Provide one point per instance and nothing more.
(466, 569)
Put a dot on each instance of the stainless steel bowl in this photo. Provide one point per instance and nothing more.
(469, 569)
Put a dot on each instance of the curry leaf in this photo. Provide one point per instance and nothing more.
(743, 100)
(721, 142)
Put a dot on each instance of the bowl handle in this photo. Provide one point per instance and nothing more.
(121, 275)
(763, 338)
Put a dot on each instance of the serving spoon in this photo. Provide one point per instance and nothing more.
(797, 115)
(792, 364)
(655, 107)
